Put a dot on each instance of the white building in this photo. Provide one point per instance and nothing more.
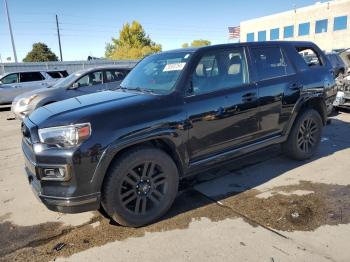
(326, 24)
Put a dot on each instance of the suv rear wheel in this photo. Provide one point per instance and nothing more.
(305, 136)
(140, 186)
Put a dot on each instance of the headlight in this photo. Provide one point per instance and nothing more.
(26, 101)
(65, 136)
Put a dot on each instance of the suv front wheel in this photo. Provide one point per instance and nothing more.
(140, 186)
(305, 136)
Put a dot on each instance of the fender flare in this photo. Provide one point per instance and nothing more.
(118, 145)
(300, 104)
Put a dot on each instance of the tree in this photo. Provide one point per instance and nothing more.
(197, 43)
(40, 53)
(133, 43)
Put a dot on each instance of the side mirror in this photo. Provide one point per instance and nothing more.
(75, 86)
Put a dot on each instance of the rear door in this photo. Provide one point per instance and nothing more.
(278, 88)
(31, 80)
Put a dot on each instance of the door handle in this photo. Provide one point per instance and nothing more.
(250, 97)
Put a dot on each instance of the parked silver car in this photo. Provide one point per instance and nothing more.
(16, 83)
(79, 83)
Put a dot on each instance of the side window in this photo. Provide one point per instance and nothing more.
(271, 62)
(114, 75)
(96, 78)
(310, 56)
(31, 77)
(54, 74)
(10, 79)
(220, 70)
(84, 81)
(91, 79)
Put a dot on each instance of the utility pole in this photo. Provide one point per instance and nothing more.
(10, 28)
(59, 37)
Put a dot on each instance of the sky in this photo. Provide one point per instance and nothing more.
(86, 26)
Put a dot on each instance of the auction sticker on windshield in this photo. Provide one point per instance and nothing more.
(174, 67)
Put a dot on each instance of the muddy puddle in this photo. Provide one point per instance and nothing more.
(281, 210)
(188, 207)
(287, 210)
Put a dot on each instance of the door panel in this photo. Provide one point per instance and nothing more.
(206, 115)
(9, 88)
(278, 87)
(242, 115)
(224, 106)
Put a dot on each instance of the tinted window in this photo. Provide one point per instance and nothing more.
(250, 37)
(54, 74)
(271, 62)
(340, 23)
(321, 26)
(10, 79)
(64, 73)
(220, 70)
(114, 75)
(275, 34)
(31, 77)
(304, 29)
(288, 31)
(262, 36)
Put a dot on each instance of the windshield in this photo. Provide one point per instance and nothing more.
(69, 80)
(157, 73)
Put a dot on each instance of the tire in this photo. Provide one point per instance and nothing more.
(305, 136)
(140, 186)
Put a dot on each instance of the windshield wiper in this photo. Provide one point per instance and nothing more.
(139, 89)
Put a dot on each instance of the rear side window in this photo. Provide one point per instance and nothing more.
(31, 77)
(55, 74)
(271, 62)
(10, 79)
(310, 56)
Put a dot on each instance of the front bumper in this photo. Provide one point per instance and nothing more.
(75, 194)
(62, 204)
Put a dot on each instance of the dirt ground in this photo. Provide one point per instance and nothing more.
(263, 207)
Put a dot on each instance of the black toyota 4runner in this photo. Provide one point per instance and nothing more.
(177, 113)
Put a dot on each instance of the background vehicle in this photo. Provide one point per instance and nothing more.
(338, 64)
(16, 83)
(79, 83)
(177, 113)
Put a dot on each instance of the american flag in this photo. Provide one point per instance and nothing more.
(234, 32)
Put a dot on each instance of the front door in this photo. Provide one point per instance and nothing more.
(89, 83)
(219, 77)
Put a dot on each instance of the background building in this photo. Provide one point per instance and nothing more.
(326, 24)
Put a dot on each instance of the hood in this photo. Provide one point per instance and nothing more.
(30, 93)
(83, 108)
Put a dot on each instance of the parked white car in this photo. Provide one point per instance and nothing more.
(16, 83)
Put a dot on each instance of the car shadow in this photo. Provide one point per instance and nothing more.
(266, 164)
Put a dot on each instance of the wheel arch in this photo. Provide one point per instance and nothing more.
(315, 102)
(112, 153)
